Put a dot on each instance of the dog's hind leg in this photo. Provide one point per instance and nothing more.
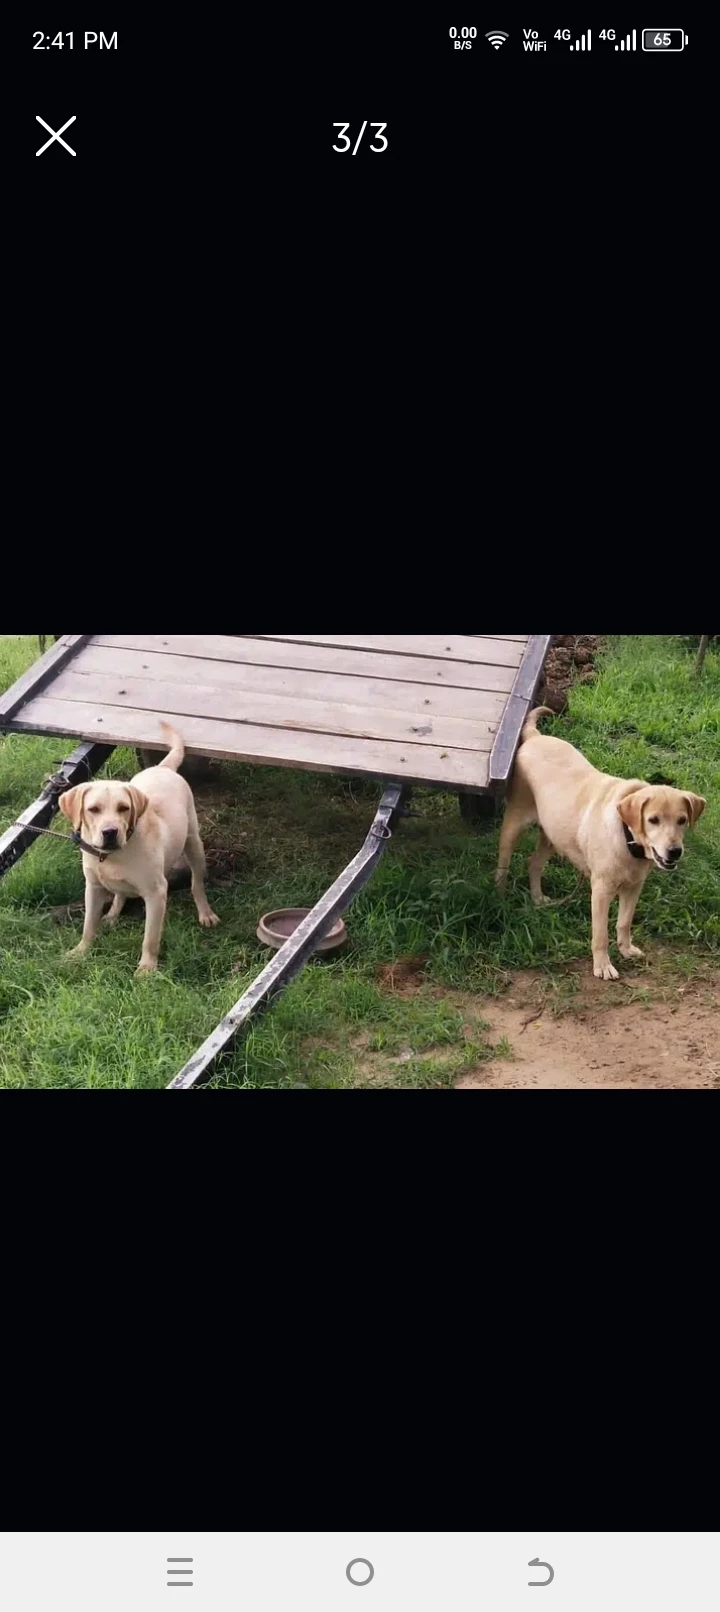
(538, 863)
(520, 814)
(116, 909)
(195, 853)
(629, 897)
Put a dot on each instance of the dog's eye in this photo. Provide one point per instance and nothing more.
(123, 808)
(682, 822)
(654, 821)
(93, 810)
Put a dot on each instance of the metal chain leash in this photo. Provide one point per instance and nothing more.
(28, 827)
(54, 784)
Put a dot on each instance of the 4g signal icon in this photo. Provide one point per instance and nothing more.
(496, 37)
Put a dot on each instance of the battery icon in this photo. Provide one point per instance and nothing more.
(668, 39)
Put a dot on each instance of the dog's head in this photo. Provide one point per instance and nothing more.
(104, 814)
(658, 818)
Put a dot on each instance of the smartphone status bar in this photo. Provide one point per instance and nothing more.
(656, 41)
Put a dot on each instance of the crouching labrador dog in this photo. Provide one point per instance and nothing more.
(614, 830)
(131, 836)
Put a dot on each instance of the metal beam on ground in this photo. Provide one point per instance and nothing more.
(298, 950)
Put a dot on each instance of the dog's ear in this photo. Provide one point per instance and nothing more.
(139, 803)
(632, 807)
(696, 805)
(71, 805)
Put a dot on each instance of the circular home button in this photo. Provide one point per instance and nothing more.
(355, 1570)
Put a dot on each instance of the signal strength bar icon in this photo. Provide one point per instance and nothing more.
(496, 37)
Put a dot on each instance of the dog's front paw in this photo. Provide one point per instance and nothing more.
(209, 919)
(77, 954)
(631, 951)
(606, 971)
(149, 967)
(543, 901)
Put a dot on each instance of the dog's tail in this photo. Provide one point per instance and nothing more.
(177, 748)
(531, 726)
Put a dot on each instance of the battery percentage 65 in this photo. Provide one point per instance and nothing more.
(348, 142)
(663, 39)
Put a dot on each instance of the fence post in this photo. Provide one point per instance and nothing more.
(702, 652)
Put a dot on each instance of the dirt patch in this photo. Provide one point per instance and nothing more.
(571, 660)
(226, 866)
(404, 976)
(585, 1044)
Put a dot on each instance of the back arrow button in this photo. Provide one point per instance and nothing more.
(542, 1583)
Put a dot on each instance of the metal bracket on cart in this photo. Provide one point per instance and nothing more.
(79, 767)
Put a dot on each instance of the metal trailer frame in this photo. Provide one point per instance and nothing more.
(298, 950)
(78, 768)
(87, 759)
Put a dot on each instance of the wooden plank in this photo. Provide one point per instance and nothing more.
(235, 741)
(434, 699)
(40, 674)
(307, 657)
(277, 711)
(454, 647)
(511, 726)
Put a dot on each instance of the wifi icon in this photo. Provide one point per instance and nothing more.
(496, 37)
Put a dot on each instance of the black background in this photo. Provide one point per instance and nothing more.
(525, 234)
(109, 235)
(518, 177)
(449, 111)
(142, 116)
(107, 92)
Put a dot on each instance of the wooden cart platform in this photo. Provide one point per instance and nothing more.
(445, 711)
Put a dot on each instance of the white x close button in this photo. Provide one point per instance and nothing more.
(55, 136)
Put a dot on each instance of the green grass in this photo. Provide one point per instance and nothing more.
(278, 838)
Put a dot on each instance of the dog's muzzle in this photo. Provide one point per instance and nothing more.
(669, 862)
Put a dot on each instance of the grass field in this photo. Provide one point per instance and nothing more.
(278, 838)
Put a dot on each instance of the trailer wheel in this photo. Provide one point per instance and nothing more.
(479, 812)
(197, 769)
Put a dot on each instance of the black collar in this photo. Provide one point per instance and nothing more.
(633, 847)
(92, 850)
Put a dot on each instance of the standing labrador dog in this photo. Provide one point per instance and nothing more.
(614, 830)
(131, 836)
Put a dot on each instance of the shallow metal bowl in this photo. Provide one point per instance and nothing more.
(277, 927)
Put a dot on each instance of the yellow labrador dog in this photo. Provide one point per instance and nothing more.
(613, 829)
(131, 836)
